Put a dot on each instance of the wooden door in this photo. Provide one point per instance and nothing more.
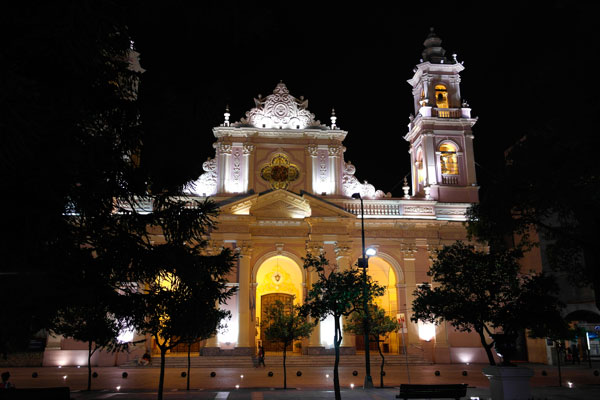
(266, 300)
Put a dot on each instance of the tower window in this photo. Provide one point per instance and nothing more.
(448, 159)
(441, 96)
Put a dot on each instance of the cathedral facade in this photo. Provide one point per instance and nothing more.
(285, 189)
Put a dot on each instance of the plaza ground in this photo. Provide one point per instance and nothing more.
(313, 383)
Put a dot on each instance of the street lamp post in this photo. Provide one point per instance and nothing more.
(364, 263)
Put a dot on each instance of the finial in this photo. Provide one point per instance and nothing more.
(333, 119)
(454, 57)
(406, 188)
(226, 115)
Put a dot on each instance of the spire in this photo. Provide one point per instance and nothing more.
(333, 119)
(434, 52)
(226, 115)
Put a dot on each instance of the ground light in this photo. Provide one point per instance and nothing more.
(570, 384)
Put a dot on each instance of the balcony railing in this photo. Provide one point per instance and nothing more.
(447, 112)
(449, 179)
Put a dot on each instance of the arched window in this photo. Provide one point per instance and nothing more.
(441, 96)
(448, 159)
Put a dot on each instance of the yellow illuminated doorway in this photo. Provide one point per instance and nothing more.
(278, 278)
(382, 272)
(267, 301)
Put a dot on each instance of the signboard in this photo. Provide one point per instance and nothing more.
(402, 322)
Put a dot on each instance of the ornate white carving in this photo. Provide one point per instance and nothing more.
(311, 149)
(223, 148)
(351, 185)
(280, 110)
(206, 184)
(323, 158)
(248, 148)
(418, 210)
(336, 151)
(236, 165)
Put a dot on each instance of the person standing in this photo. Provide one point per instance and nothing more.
(261, 355)
(5, 383)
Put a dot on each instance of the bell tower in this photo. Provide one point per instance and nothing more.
(440, 135)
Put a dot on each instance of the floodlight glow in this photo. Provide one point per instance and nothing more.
(65, 377)
(242, 376)
(118, 387)
(570, 385)
(237, 386)
(126, 335)
(327, 326)
(326, 375)
(352, 386)
(426, 331)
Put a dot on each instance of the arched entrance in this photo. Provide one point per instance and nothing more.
(277, 278)
(382, 272)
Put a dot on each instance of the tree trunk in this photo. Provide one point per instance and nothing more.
(337, 340)
(487, 347)
(284, 370)
(89, 385)
(161, 379)
(189, 362)
(558, 364)
(382, 363)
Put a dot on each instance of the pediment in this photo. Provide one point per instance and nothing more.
(281, 204)
(284, 204)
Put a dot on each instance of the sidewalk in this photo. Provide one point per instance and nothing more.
(312, 383)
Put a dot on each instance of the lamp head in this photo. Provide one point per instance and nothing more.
(371, 251)
(356, 195)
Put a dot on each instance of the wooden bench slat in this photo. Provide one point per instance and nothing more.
(441, 391)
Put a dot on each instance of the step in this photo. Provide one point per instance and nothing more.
(277, 359)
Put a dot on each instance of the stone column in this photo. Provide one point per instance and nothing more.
(335, 157)
(243, 345)
(223, 154)
(409, 254)
(248, 163)
(314, 341)
(343, 253)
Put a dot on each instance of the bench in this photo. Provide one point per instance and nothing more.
(52, 393)
(450, 391)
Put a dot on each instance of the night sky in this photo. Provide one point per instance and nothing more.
(522, 62)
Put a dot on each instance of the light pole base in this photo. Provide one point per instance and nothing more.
(368, 382)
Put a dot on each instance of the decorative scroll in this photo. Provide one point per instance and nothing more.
(206, 185)
(280, 172)
(351, 185)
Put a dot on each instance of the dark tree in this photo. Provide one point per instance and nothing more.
(336, 293)
(178, 291)
(548, 185)
(70, 139)
(475, 290)
(380, 325)
(285, 324)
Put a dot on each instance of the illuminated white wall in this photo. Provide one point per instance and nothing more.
(327, 331)
(236, 169)
(228, 336)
